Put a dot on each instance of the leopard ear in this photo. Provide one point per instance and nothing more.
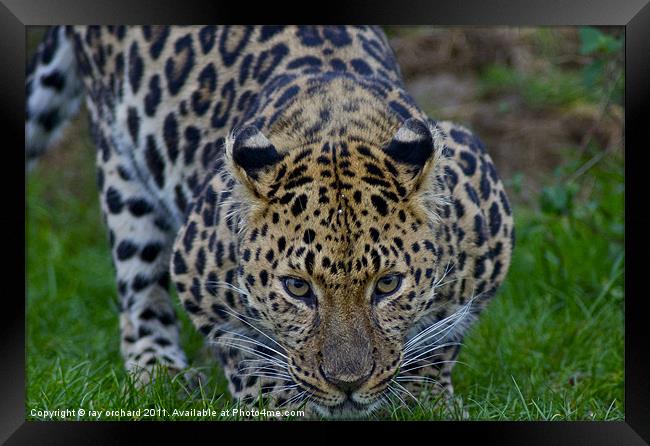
(413, 150)
(252, 159)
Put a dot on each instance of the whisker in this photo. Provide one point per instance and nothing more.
(294, 398)
(383, 401)
(458, 316)
(394, 392)
(416, 378)
(259, 331)
(266, 375)
(440, 285)
(253, 352)
(435, 326)
(404, 389)
(246, 342)
(420, 380)
(433, 330)
(266, 372)
(254, 341)
(263, 361)
(431, 364)
(440, 331)
(230, 286)
(264, 368)
(425, 350)
(247, 349)
(280, 389)
(448, 269)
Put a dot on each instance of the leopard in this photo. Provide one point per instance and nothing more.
(331, 242)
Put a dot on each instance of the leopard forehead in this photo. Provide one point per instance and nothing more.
(337, 203)
(338, 213)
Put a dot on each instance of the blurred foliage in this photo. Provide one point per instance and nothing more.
(557, 199)
(595, 41)
(555, 88)
(553, 85)
(595, 199)
(606, 53)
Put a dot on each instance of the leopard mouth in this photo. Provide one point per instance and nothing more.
(347, 408)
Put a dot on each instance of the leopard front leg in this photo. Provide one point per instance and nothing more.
(141, 239)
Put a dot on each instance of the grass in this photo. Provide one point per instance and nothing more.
(556, 88)
(549, 347)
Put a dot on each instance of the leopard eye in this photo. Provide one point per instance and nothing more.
(387, 285)
(297, 288)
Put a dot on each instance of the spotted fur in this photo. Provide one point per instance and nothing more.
(241, 156)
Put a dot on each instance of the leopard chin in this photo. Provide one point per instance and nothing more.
(346, 410)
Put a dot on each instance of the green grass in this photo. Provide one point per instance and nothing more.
(555, 88)
(549, 347)
(597, 76)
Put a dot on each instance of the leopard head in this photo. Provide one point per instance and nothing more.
(336, 253)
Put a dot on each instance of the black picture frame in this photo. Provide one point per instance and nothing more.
(634, 15)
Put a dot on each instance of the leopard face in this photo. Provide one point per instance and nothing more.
(335, 252)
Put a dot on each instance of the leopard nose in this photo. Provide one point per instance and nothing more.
(347, 382)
